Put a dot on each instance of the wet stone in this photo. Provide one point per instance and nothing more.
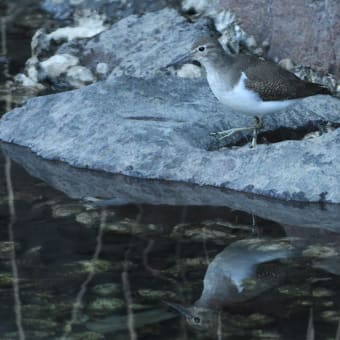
(66, 210)
(6, 279)
(156, 295)
(330, 316)
(217, 235)
(184, 265)
(106, 289)
(319, 251)
(130, 226)
(38, 308)
(86, 336)
(327, 304)
(265, 335)
(92, 217)
(88, 218)
(227, 224)
(41, 324)
(192, 262)
(139, 306)
(255, 320)
(11, 335)
(322, 292)
(305, 303)
(102, 306)
(29, 335)
(294, 290)
(6, 249)
(85, 267)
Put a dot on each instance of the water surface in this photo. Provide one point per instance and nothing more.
(91, 267)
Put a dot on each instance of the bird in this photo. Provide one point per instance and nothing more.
(241, 272)
(247, 84)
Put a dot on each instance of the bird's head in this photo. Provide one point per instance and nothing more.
(196, 317)
(203, 51)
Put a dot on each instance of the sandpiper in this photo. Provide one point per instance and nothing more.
(241, 272)
(248, 84)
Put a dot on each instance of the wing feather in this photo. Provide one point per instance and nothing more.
(272, 82)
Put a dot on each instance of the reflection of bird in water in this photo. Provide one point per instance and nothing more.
(217, 322)
(233, 276)
(239, 273)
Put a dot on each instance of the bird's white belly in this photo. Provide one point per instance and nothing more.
(243, 100)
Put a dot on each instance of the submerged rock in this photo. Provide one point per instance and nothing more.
(87, 336)
(106, 289)
(330, 316)
(157, 295)
(320, 251)
(106, 305)
(66, 210)
(7, 248)
(159, 129)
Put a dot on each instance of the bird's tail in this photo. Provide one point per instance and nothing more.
(313, 89)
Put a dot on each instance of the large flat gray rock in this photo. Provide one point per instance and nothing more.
(159, 129)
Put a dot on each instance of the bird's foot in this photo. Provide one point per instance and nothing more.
(257, 126)
(227, 133)
(220, 135)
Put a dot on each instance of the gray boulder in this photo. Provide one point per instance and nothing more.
(159, 129)
(139, 45)
(306, 31)
(113, 10)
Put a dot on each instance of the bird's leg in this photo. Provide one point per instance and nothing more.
(258, 125)
(227, 133)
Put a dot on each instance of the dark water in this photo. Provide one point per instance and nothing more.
(86, 255)
(82, 269)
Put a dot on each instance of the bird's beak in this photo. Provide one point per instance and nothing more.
(180, 309)
(183, 59)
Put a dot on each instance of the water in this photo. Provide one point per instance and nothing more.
(83, 265)
(87, 255)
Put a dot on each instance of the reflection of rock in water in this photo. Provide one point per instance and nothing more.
(330, 265)
(239, 273)
(118, 323)
(120, 190)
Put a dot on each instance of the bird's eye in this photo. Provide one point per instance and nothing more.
(197, 320)
(201, 48)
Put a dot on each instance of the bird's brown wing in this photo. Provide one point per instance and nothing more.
(272, 82)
